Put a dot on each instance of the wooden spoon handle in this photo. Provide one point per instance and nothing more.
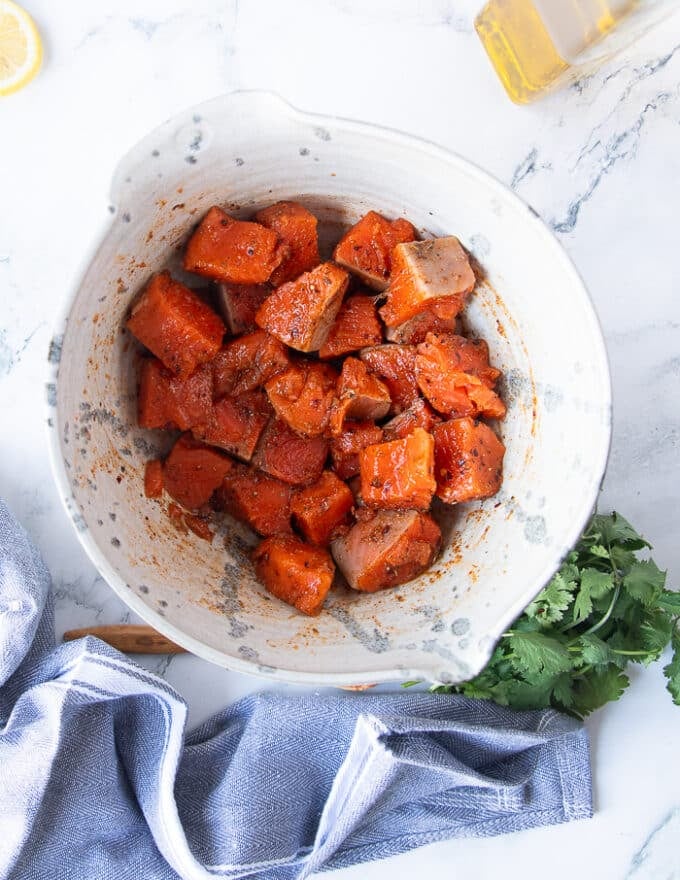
(129, 638)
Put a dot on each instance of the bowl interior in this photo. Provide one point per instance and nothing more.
(245, 151)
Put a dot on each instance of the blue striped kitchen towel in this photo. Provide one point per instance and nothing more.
(99, 779)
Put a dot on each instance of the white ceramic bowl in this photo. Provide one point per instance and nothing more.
(250, 149)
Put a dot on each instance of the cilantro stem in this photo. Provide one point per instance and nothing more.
(602, 622)
(631, 653)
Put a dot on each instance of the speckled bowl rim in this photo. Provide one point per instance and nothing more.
(240, 664)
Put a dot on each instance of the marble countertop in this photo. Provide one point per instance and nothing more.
(600, 162)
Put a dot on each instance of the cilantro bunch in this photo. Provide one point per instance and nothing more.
(606, 607)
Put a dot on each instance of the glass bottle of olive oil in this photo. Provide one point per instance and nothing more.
(537, 44)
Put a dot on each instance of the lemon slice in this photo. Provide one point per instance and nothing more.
(20, 48)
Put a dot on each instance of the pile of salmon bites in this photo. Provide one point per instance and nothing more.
(325, 404)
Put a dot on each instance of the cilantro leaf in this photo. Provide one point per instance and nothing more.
(656, 631)
(598, 583)
(645, 581)
(603, 609)
(551, 603)
(562, 690)
(536, 653)
(614, 529)
(627, 646)
(626, 609)
(600, 687)
(672, 670)
(527, 624)
(583, 605)
(570, 572)
(478, 689)
(594, 652)
(621, 558)
(527, 695)
(669, 601)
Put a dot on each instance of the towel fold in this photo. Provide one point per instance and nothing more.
(99, 779)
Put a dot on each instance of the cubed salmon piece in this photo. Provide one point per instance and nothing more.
(193, 471)
(303, 396)
(396, 366)
(345, 448)
(399, 473)
(301, 312)
(239, 304)
(356, 326)
(433, 274)
(296, 227)
(462, 394)
(365, 250)
(185, 522)
(153, 478)
(199, 526)
(360, 396)
(454, 374)
(236, 423)
(387, 549)
(175, 325)
(246, 363)
(288, 456)
(166, 400)
(322, 511)
(419, 415)
(260, 501)
(468, 460)
(415, 330)
(235, 251)
(294, 572)
(451, 353)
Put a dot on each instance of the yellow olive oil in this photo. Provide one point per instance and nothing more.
(533, 44)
